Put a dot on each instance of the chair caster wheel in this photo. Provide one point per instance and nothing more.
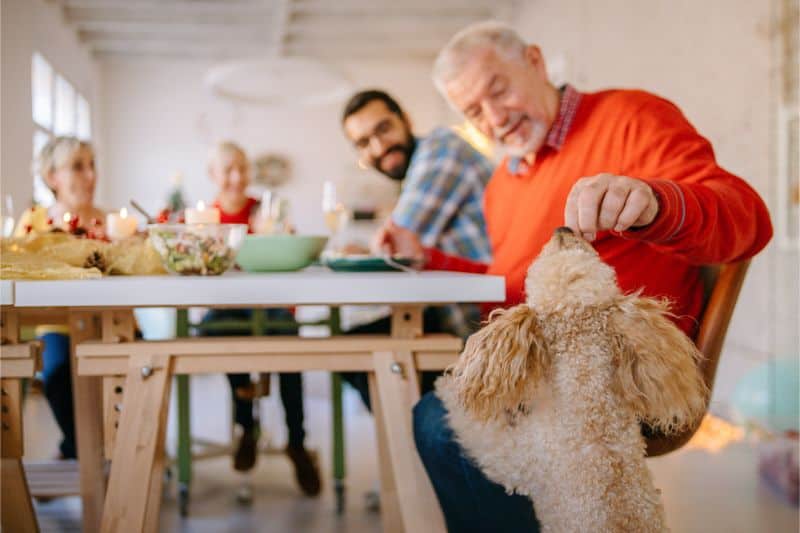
(183, 499)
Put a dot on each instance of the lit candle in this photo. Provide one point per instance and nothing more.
(67, 218)
(120, 226)
(202, 214)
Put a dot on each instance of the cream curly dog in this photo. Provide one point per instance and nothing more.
(548, 397)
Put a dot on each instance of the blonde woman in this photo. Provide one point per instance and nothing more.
(229, 170)
(67, 166)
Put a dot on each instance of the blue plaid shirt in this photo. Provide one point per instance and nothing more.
(442, 202)
(442, 196)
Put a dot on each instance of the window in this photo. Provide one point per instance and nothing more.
(42, 81)
(83, 125)
(58, 109)
(64, 123)
(42, 194)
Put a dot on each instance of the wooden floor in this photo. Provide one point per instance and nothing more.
(703, 492)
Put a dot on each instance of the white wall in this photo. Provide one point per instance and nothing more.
(160, 118)
(28, 26)
(715, 60)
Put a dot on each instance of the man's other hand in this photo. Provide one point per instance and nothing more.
(394, 240)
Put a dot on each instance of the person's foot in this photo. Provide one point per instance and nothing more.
(306, 471)
(245, 457)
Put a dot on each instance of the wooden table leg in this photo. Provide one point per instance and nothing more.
(390, 509)
(17, 508)
(88, 403)
(117, 326)
(134, 490)
(398, 390)
(17, 512)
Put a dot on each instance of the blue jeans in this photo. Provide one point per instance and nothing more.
(57, 381)
(469, 501)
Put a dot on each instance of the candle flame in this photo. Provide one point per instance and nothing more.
(67, 217)
(123, 213)
(201, 205)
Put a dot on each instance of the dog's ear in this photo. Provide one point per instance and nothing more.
(658, 367)
(501, 363)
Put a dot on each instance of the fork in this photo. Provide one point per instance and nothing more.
(394, 264)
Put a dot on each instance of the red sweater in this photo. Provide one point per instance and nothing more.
(240, 217)
(706, 215)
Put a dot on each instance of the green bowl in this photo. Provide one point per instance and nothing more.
(279, 253)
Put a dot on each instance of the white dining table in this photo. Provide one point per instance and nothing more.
(108, 358)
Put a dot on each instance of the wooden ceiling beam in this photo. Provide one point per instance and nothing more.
(210, 35)
(322, 26)
(134, 26)
(181, 14)
(168, 48)
(480, 8)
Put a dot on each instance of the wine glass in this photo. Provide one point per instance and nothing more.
(334, 213)
(272, 214)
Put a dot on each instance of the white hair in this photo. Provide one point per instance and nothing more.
(489, 34)
(224, 148)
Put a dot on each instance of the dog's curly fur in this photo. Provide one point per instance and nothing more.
(548, 397)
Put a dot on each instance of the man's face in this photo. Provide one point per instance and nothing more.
(507, 100)
(383, 139)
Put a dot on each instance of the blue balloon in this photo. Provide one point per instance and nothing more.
(770, 395)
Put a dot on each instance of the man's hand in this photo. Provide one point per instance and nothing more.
(608, 202)
(394, 240)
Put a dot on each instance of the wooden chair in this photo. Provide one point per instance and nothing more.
(722, 286)
(259, 325)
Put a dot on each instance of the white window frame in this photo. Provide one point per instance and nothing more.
(39, 186)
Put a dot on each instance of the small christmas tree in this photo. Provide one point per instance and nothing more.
(176, 202)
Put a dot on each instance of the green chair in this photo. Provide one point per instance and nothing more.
(258, 325)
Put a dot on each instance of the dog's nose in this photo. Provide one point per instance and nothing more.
(563, 230)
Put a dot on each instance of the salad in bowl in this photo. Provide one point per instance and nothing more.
(197, 249)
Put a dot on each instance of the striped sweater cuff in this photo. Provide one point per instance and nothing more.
(671, 215)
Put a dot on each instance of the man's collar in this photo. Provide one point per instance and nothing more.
(570, 98)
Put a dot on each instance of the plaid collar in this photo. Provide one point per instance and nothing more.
(570, 98)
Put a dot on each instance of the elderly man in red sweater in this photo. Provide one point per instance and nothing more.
(624, 168)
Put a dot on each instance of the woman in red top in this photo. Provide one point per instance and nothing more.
(229, 170)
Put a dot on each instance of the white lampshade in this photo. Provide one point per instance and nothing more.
(276, 81)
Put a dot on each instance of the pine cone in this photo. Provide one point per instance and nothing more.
(96, 260)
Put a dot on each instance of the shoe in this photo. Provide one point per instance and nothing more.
(306, 471)
(245, 457)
